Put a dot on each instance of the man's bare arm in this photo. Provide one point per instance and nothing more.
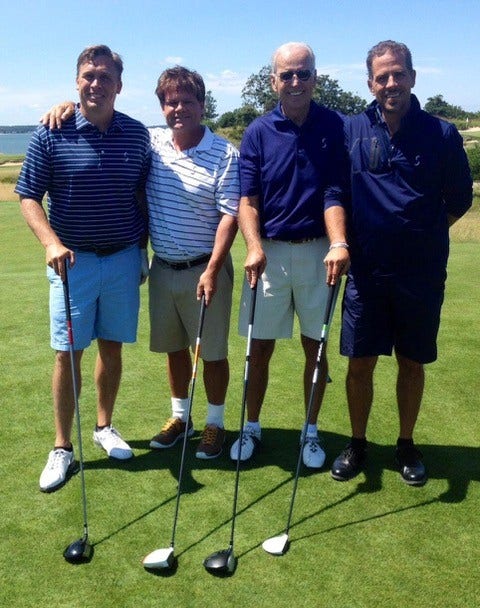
(55, 251)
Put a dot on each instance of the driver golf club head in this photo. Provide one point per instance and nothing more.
(276, 545)
(160, 559)
(221, 563)
(78, 552)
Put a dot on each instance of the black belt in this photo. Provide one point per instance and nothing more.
(307, 239)
(187, 264)
(103, 250)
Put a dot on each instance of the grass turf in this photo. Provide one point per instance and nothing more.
(371, 542)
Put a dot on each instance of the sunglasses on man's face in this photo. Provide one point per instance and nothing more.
(300, 74)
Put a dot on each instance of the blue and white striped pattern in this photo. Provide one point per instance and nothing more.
(91, 178)
(188, 192)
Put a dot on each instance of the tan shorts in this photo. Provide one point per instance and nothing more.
(293, 282)
(174, 310)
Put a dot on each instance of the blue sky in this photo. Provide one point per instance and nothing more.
(226, 41)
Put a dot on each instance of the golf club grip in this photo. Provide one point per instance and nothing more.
(253, 302)
(201, 320)
(68, 312)
(331, 300)
(251, 319)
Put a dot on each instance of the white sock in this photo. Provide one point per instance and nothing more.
(179, 408)
(255, 426)
(312, 430)
(215, 414)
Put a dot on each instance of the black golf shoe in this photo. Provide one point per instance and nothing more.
(409, 461)
(350, 463)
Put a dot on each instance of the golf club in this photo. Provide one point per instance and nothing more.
(224, 562)
(164, 559)
(80, 550)
(278, 545)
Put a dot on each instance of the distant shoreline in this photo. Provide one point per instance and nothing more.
(6, 130)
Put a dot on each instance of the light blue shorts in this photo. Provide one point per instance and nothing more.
(294, 282)
(104, 299)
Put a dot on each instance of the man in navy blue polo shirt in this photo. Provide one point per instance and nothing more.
(286, 159)
(91, 170)
(409, 181)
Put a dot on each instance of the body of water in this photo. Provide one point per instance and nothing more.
(14, 143)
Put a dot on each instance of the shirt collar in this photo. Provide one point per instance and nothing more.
(204, 144)
(280, 117)
(82, 124)
(375, 112)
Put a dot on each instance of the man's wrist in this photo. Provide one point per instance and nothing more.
(338, 244)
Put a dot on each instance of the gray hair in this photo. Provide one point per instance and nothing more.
(290, 46)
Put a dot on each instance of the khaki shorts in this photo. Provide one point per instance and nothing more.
(293, 282)
(174, 310)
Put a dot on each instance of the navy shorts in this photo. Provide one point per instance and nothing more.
(386, 313)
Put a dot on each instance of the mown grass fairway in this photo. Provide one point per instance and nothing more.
(369, 543)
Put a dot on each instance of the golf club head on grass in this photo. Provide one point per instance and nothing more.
(160, 559)
(221, 563)
(79, 552)
(276, 545)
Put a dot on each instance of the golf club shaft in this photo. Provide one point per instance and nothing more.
(68, 312)
(329, 308)
(196, 358)
(253, 299)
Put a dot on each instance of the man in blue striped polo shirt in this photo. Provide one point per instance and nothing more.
(90, 170)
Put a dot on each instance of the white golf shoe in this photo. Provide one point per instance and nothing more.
(60, 465)
(250, 442)
(111, 441)
(313, 454)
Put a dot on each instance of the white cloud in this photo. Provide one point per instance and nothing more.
(26, 106)
(227, 81)
(173, 60)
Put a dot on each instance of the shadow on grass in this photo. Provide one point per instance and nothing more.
(359, 490)
(456, 464)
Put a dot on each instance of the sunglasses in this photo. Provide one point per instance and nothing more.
(300, 74)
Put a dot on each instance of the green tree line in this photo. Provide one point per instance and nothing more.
(258, 98)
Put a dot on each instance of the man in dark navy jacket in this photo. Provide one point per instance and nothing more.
(409, 181)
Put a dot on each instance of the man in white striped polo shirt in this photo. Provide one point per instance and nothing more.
(193, 192)
(91, 169)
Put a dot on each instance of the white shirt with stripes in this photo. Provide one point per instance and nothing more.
(188, 191)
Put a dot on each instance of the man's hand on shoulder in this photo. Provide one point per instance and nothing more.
(57, 115)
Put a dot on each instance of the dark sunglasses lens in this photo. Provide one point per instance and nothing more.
(301, 75)
(304, 74)
(286, 76)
